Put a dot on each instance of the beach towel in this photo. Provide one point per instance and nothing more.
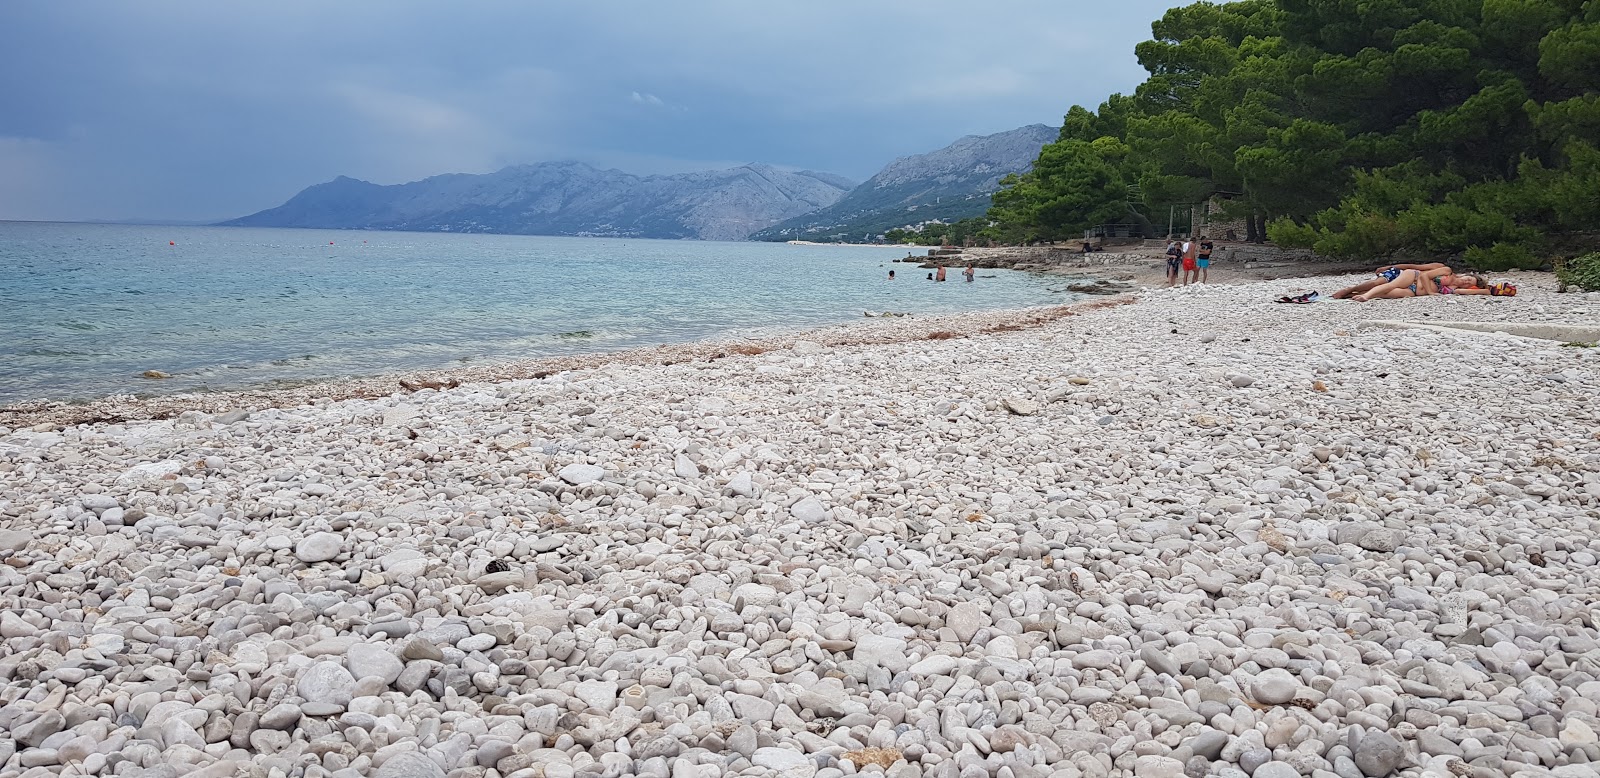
(1503, 289)
(1301, 299)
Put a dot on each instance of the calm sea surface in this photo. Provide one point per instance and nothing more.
(85, 309)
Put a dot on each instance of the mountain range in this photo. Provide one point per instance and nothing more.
(750, 202)
(947, 185)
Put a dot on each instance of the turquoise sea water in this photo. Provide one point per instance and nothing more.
(85, 309)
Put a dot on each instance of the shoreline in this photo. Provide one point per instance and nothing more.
(55, 414)
(1101, 274)
(1118, 278)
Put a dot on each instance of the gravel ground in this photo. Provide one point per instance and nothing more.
(1203, 534)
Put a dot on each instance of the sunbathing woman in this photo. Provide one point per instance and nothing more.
(1389, 273)
(1421, 283)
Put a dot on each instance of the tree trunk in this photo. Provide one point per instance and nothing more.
(1258, 228)
(1250, 229)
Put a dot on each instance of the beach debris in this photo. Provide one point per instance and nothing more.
(428, 383)
(1099, 287)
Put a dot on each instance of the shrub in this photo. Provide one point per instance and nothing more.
(1288, 234)
(1501, 256)
(1582, 272)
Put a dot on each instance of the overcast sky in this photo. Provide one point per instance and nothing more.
(206, 110)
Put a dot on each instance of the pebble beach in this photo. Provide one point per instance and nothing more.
(1188, 532)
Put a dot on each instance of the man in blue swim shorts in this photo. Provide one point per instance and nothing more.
(1203, 259)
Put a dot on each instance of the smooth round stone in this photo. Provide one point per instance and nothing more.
(1273, 770)
(318, 547)
(475, 643)
(938, 664)
(282, 716)
(1254, 758)
(366, 660)
(1274, 687)
(1378, 754)
(327, 682)
(321, 709)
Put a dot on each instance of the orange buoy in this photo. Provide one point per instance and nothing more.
(171, 243)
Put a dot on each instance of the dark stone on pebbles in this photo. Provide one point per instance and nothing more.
(1208, 744)
(1378, 754)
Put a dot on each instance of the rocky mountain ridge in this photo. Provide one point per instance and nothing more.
(758, 202)
(564, 198)
(948, 185)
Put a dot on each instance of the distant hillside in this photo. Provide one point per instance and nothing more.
(950, 184)
(564, 198)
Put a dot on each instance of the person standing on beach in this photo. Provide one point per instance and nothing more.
(969, 272)
(1174, 257)
(939, 274)
(1190, 268)
(1203, 259)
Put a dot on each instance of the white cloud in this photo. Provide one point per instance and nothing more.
(647, 99)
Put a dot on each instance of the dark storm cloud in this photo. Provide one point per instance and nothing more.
(200, 110)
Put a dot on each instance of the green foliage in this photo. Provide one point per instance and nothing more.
(940, 234)
(1359, 129)
(1501, 256)
(1291, 234)
(1582, 272)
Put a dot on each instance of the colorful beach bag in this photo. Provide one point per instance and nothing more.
(1503, 289)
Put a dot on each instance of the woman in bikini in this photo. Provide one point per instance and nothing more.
(1396, 282)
